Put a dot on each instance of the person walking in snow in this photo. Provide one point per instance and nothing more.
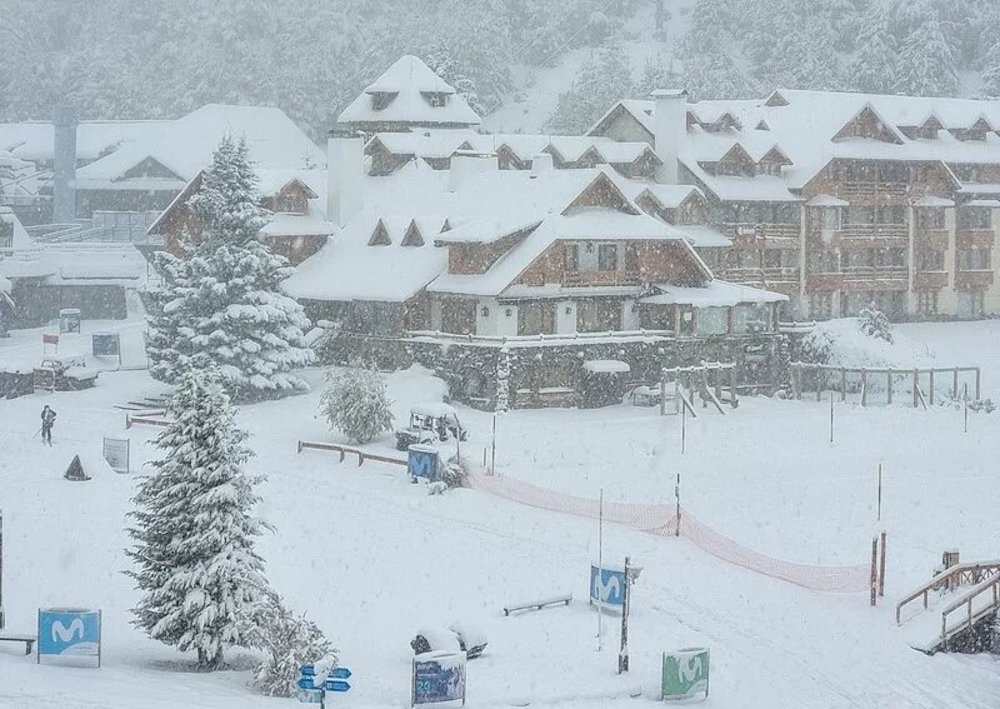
(48, 420)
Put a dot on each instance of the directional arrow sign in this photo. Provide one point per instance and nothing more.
(306, 682)
(337, 685)
(340, 673)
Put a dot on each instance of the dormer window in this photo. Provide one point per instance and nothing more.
(437, 99)
(380, 237)
(412, 236)
(382, 99)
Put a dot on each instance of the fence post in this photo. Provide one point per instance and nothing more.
(864, 387)
(978, 371)
(795, 380)
(932, 384)
(881, 568)
(916, 385)
(843, 384)
(819, 383)
(954, 385)
(873, 581)
(888, 384)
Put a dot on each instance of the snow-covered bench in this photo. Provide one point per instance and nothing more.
(539, 604)
(28, 640)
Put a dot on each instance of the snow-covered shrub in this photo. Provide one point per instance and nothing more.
(452, 474)
(816, 347)
(874, 323)
(288, 641)
(356, 402)
(194, 533)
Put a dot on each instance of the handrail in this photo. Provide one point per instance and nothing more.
(947, 579)
(991, 583)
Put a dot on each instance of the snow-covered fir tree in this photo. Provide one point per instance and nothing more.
(606, 77)
(356, 402)
(656, 74)
(926, 63)
(287, 641)
(222, 304)
(874, 323)
(194, 530)
(873, 67)
(991, 73)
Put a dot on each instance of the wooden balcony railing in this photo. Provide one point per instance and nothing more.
(872, 189)
(753, 230)
(756, 275)
(600, 278)
(927, 280)
(871, 232)
(968, 279)
(875, 272)
(931, 239)
(975, 238)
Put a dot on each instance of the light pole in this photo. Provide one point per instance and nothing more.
(631, 574)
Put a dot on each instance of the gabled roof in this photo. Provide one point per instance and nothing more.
(404, 85)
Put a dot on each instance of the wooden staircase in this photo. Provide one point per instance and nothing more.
(974, 598)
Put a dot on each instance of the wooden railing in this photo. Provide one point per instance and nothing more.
(873, 231)
(600, 278)
(876, 272)
(967, 238)
(348, 450)
(991, 586)
(891, 375)
(847, 190)
(978, 278)
(949, 579)
(931, 239)
(754, 230)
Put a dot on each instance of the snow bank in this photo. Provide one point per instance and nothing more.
(849, 347)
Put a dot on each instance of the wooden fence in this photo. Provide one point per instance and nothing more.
(344, 451)
(868, 381)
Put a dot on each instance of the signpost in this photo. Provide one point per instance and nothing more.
(50, 339)
(438, 677)
(607, 588)
(311, 692)
(685, 673)
(107, 344)
(74, 632)
(116, 452)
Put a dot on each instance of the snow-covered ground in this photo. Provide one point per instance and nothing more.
(371, 557)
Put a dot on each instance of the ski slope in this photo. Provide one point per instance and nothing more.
(371, 557)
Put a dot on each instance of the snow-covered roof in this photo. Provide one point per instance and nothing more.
(404, 85)
(429, 143)
(34, 141)
(606, 366)
(716, 293)
(186, 145)
(983, 203)
(704, 236)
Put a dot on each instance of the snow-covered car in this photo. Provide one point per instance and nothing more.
(457, 637)
(429, 422)
(65, 373)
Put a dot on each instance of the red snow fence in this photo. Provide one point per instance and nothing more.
(661, 520)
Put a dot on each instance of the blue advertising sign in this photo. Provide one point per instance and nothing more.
(69, 631)
(607, 587)
(423, 462)
(105, 344)
(438, 677)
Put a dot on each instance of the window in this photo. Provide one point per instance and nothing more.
(927, 302)
(930, 218)
(572, 255)
(382, 99)
(831, 218)
(894, 214)
(536, 319)
(607, 257)
(823, 262)
(821, 306)
(6, 235)
(598, 316)
(859, 214)
(930, 260)
(380, 237)
(686, 320)
(772, 258)
(893, 172)
(713, 321)
(785, 214)
(752, 317)
(975, 218)
(436, 99)
(974, 259)
(970, 303)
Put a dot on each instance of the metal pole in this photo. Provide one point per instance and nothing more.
(677, 497)
(881, 567)
(493, 454)
(878, 513)
(831, 417)
(965, 402)
(600, 569)
(623, 651)
(874, 574)
(683, 425)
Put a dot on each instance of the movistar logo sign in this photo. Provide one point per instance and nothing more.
(61, 633)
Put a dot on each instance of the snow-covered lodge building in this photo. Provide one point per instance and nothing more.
(839, 200)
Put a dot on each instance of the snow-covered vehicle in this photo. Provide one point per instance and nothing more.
(457, 637)
(64, 374)
(434, 421)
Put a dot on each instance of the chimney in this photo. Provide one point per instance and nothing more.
(345, 160)
(541, 163)
(64, 165)
(670, 127)
(467, 165)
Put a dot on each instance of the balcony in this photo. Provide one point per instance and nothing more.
(854, 190)
(752, 231)
(930, 280)
(973, 279)
(975, 238)
(824, 282)
(866, 235)
(783, 274)
(931, 239)
(875, 278)
(579, 279)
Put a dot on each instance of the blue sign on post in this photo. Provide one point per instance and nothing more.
(422, 462)
(438, 677)
(69, 632)
(105, 344)
(607, 587)
(310, 693)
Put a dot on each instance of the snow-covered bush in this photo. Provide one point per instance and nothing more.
(356, 403)
(222, 304)
(195, 562)
(452, 474)
(288, 641)
(816, 347)
(874, 323)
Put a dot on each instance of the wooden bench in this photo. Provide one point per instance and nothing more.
(28, 640)
(539, 604)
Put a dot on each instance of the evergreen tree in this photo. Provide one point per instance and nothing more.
(874, 65)
(655, 75)
(288, 641)
(194, 533)
(439, 59)
(222, 305)
(606, 77)
(926, 63)
(991, 74)
(356, 402)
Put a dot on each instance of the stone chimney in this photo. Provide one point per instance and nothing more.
(467, 165)
(345, 168)
(670, 127)
(64, 165)
(541, 163)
